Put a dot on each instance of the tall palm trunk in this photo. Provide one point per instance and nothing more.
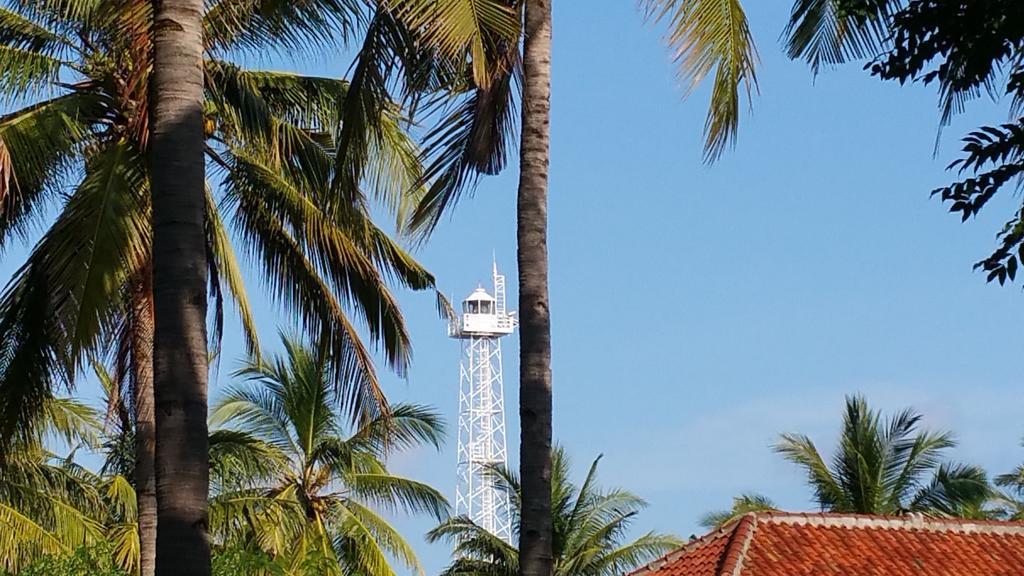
(179, 289)
(535, 540)
(145, 425)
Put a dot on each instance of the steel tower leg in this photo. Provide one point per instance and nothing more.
(481, 437)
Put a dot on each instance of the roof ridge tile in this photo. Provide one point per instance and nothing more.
(724, 530)
(739, 543)
(908, 522)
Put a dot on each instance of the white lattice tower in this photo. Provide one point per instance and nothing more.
(482, 446)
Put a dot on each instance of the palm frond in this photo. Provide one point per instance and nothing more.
(367, 98)
(637, 553)
(257, 411)
(120, 495)
(1013, 480)
(225, 269)
(878, 468)
(240, 460)
(20, 32)
(285, 111)
(506, 480)
(800, 450)
(606, 518)
(23, 538)
(293, 26)
(26, 73)
(860, 462)
(830, 32)
(74, 422)
(390, 492)
(474, 138)
(38, 146)
(394, 174)
(249, 102)
(363, 541)
(240, 108)
(585, 496)
(463, 29)
(123, 540)
(32, 359)
(64, 15)
(742, 504)
(956, 490)
(58, 305)
(317, 505)
(465, 566)
(406, 426)
(45, 509)
(924, 455)
(99, 239)
(274, 522)
(590, 527)
(118, 441)
(296, 279)
(473, 541)
(373, 147)
(306, 393)
(712, 36)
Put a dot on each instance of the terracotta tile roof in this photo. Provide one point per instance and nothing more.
(786, 544)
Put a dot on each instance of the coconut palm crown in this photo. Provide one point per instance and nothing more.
(887, 467)
(590, 529)
(296, 478)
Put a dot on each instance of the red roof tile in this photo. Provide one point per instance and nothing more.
(784, 544)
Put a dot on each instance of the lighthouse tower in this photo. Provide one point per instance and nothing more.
(480, 326)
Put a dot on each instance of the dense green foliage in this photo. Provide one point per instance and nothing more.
(49, 505)
(294, 494)
(295, 165)
(96, 560)
(244, 562)
(300, 482)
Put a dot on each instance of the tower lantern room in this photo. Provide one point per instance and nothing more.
(484, 315)
(479, 302)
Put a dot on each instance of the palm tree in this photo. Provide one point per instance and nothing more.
(289, 480)
(51, 505)
(1011, 498)
(271, 138)
(705, 36)
(742, 504)
(880, 467)
(536, 538)
(590, 530)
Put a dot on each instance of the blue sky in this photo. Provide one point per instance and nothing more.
(700, 310)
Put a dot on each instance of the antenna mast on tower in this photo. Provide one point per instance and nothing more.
(480, 326)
